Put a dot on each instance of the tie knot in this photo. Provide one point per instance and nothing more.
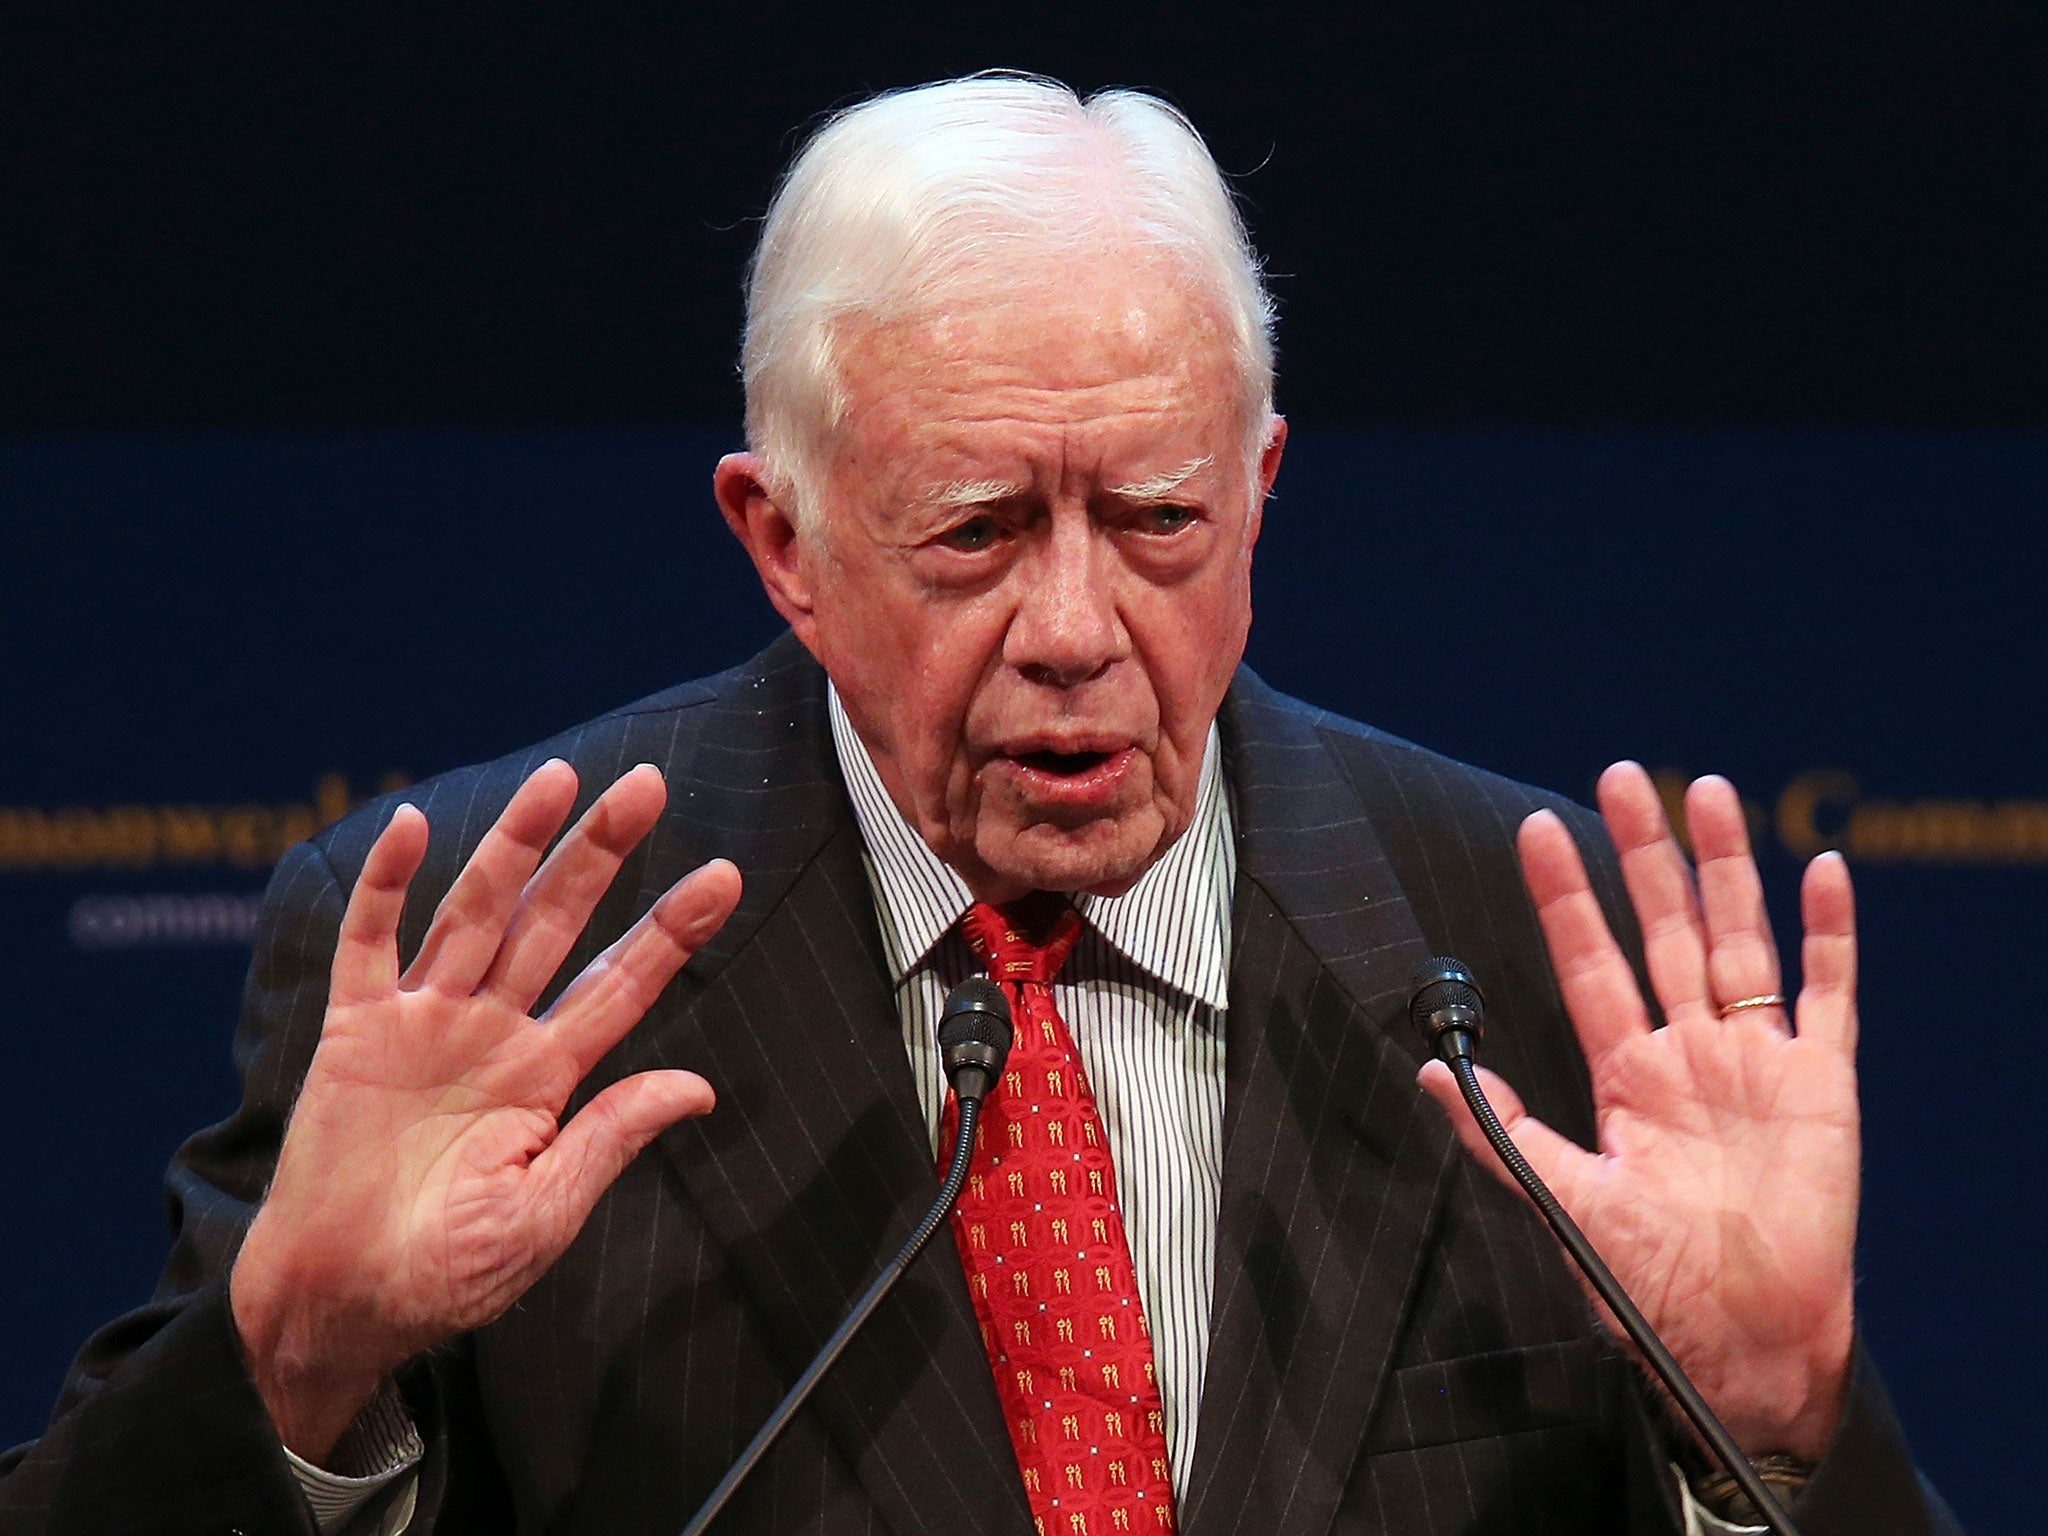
(1008, 939)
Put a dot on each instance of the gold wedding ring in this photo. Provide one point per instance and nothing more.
(1761, 1000)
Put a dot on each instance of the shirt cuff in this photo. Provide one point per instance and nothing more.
(379, 1447)
(1699, 1520)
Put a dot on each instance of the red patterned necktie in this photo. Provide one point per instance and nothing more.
(1042, 1238)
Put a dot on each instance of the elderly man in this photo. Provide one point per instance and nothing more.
(1222, 1266)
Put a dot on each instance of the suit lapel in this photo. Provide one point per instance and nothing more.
(816, 1167)
(1333, 1170)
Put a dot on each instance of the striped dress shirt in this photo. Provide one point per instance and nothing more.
(1144, 993)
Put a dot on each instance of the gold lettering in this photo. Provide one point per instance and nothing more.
(128, 836)
(74, 838)
(295, 823)
(331, 799)
(189, 835)
(1799, 827)
(246, 836)
(2023, 829)
(21, 839)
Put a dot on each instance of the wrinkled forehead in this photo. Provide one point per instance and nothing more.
(1079, 326)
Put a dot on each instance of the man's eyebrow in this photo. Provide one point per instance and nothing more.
(972, 493)
(1157, 487)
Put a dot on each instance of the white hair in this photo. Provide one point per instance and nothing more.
(911, 199)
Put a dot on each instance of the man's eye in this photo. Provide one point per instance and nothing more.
(977, 533)
(1167, 519)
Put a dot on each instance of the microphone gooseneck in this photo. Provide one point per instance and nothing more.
(1450, 1011)
(974, 1042)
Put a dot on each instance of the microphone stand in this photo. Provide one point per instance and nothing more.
(949, 1192)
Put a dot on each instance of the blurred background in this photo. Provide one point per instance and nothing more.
(1663, 386)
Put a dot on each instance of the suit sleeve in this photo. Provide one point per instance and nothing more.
(159, 1427)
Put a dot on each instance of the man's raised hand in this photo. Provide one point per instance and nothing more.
(426, 1179)
(1723, 1193)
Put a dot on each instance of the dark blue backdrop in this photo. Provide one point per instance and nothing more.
(197, 632)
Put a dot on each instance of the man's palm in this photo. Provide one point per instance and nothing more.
(1724, 1189)
(426, 1179)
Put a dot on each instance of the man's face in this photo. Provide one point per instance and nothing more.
(1031, 578)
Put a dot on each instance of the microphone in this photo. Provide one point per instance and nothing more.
(974, 1042)
(1449, 1009)
(974, 1038)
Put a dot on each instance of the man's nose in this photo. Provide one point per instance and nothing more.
(1067, 630)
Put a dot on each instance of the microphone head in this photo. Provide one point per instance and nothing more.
(974, 1036)
(1446, 1004)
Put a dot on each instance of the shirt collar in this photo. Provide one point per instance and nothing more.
(1175, 922)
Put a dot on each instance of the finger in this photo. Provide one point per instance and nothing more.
(1661, 888)
(1599, 989)
(604, 1136)
(621, 984)
(558, 901)
(1827, 998)
(366, 953)
(1742, 956)
(470, 923)
(1559, 1162)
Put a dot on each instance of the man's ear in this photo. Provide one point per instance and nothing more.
(1269, 470)
(770, 536)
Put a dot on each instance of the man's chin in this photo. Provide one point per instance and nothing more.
(1104, 858)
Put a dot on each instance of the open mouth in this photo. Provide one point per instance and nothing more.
(1065, 764)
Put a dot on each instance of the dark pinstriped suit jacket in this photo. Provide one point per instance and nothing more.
(1396, 1344)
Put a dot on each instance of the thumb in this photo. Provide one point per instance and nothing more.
(608, 1133)
(1552, 1156)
